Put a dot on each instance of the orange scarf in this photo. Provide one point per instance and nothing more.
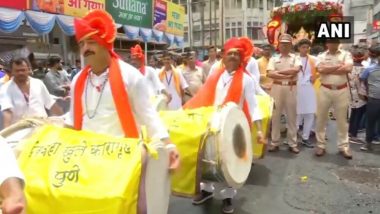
(175, 76)
(314, 72)
(206, 94)
(119, 94)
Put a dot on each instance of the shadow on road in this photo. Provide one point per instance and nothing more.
(259, 175)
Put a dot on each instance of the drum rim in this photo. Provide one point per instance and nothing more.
(244, 123)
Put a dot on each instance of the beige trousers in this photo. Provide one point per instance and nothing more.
(339, 101)
(285, 100)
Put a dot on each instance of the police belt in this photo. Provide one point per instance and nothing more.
(334, 87)
(285, 83)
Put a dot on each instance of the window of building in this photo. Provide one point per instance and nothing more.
(240, 32)
(255, 3)
(228, 33)
(194, 8)
(186, 37)
(216, 3)
(197, 36)
(250, 3)
(261, 4)
(270, 5)
(254, 33)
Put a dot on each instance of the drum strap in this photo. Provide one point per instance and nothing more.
(119, 94)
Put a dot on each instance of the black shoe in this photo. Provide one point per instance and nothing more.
(366, 147)
(307, 143)
(227, 206)
(202, 197)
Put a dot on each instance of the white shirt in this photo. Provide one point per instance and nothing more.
(168, 81)
(224, 84)
(12, 98)
(253, 68)
(8, 163)
(154, 84)
(304, 76)
(257, 88)
(306, 97)
(104, 119)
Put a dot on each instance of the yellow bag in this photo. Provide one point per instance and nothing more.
(265, 104)
(69, 171)
(186, 129)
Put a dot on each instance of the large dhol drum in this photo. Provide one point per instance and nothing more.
(68, 171)
(214, 144)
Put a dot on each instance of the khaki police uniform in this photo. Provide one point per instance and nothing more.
(333, 93)
(284, 93)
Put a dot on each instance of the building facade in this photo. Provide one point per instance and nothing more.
(211, 23)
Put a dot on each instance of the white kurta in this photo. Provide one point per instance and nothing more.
(21, 106)
(253, 71)
(253, 68)
(99, 111)
(224, 84)
(154, 84)
(8, 163)
(168, 81)
(306, 98)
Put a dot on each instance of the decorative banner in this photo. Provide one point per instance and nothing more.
(15, 4)
(76, 8)
(160, 9)
(10, 20)
(41, 23)
(79, 8)
(47, 6)
(136, 13)
(170, 22)
(175, 17)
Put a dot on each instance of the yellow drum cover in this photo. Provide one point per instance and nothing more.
(69, 171)
(187, 129)
(265, 104)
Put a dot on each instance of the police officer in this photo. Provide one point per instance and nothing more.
(283, 69)
(333, 66)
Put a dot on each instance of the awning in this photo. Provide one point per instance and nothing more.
(42, 23)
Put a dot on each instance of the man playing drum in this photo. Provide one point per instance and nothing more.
(154, 84)
(229, 83)
(11, 182)
(108, 88)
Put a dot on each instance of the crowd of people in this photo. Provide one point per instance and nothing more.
(305, 88)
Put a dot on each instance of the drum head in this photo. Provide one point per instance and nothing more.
(234, 145)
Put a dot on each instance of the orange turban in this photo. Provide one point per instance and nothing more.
(98, 25)
(243, 45)
(138, 53)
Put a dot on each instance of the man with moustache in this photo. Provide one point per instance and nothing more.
(110, 96)
(24, 96)
(230, 82)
